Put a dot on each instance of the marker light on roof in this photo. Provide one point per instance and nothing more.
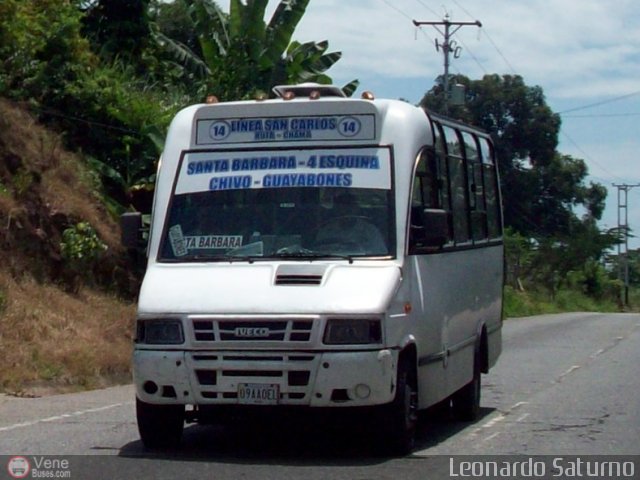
(289, 95)
(211, 99)
(368, 96)
(314, 95)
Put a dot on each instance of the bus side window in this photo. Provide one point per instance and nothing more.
(476, 188)
(458, 186)
(490, 179)
(443, 178)
(431, 229)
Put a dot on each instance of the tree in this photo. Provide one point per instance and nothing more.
(239, 55)
(117, 28)
(41, 48)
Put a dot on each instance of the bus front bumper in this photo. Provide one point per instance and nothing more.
(315, 379)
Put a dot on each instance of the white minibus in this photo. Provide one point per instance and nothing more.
(316, 251)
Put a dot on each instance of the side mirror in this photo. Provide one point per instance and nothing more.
(131, 227)
(429, 228)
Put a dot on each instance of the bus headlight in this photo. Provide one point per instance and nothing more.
(159, 332)
(352, 331)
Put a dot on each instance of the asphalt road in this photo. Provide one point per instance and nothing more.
(565, 385)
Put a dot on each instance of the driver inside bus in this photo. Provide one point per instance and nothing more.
(348, 228)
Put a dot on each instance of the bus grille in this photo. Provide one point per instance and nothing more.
(215, 330)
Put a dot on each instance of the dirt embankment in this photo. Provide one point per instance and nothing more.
(63, 325)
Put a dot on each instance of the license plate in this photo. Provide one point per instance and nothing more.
(258, 394)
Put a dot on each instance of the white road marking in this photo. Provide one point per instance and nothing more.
(57, 418)
(572, 369)
(490, 437)
(493, 421)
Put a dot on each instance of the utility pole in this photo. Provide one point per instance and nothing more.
(623, 226)
(447, 47)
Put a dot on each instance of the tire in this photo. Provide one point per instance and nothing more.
(160, 426)
(401, 416)
(466, 401)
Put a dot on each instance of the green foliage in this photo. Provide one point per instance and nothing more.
(81, 248)
(519, 253)
(633, 262)
(595, 281)
(239, 55)
(576, 251)
(40, 47)
(551, 267)
(524, 304)
(106, 107)
(123, 120)
(118, 29)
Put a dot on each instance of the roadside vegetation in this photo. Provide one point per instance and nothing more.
(87, 90)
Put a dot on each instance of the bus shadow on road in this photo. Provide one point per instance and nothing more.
(318, 441)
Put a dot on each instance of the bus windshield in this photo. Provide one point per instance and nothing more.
(317, 205)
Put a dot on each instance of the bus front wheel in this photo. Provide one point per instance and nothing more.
(160, 426)
(402, 414)
(466, 401)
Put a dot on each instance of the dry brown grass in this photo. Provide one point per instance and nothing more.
(65, 342)
(50, 339)
(66, 185)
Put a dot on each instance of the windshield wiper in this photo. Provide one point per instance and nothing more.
(307, 255)
(215, 258)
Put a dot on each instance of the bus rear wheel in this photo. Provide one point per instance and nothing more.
(160, 426)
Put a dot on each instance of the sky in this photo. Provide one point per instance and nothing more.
(584, 54)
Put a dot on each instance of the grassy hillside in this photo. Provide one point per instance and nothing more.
(62, 323)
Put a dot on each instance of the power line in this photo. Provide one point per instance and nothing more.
(587, 157)
(427, 7)
(603, 102)
(389, 4)
(596, 115)
(495, 46)
(397, 10)
(513, 70)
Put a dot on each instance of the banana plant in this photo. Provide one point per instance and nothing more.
(241, 54)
